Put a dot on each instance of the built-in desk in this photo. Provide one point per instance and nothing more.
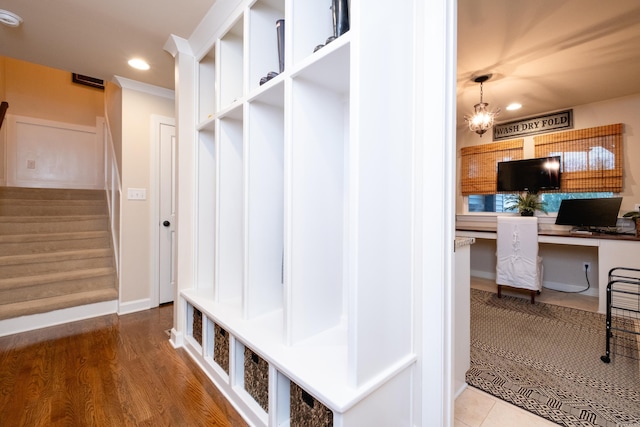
(614, 250)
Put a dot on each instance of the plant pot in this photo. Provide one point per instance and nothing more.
(526, 213)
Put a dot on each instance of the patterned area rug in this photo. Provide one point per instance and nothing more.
(546, 359)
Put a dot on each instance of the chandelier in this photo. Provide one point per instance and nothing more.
(481, 120)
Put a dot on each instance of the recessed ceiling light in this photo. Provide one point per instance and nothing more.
(139, 64)
(9, 18)
(514, 106)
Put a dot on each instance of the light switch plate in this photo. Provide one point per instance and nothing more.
(637, 208)
(137, 194)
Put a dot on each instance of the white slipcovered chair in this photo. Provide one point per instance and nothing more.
(518, 264)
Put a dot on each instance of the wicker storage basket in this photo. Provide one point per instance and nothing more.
(197, 325)
(221, 348)
(306, 411)
(256, 378)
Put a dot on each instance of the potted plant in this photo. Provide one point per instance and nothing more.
(526, 203)
(634, 216)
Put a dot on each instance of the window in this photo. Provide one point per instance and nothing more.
(552, 200)
(591, 158)
(498, 202)
(488, 202)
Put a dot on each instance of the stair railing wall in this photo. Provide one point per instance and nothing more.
(3, 160)
(113, 188)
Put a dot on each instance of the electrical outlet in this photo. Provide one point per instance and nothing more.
(586, 266)
(637, 207)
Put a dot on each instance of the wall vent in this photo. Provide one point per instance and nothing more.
(87, 81)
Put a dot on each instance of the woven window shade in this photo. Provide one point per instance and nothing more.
(479, 165)
(591, 158)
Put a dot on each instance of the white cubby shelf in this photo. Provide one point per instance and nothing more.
(318, 364)
(303, 210)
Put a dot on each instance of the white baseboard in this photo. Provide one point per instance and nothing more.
(554, 286)
(134, 306)
(56, 317)
(177, 338)
(458, 392)
(564, 287)
(483, 274)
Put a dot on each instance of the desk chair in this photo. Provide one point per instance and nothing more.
(518, 264)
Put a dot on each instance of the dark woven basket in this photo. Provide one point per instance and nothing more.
(307, 411)
(221, 348)
(256, 378)
(197, 325)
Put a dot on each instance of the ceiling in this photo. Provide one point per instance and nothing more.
(545, 54)
(96, 38)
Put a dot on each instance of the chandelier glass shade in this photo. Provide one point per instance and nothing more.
(482, 119)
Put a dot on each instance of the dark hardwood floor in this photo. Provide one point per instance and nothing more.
(107, 371)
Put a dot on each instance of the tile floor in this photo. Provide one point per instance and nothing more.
(475, 408)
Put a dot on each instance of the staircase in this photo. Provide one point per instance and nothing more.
(55, 250)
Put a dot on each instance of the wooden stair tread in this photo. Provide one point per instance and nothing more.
(54, 256)
(24, 281)
(44, 305)
(50, 193)
(50, 237)
(45, 218)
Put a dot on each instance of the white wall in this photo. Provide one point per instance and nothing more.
(139, 103)
(50, 154)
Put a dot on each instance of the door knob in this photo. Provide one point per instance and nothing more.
(166, 223)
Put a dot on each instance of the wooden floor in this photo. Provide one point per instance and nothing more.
(108, 371)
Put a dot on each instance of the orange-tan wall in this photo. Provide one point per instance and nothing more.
(2, 78)
(48, 93)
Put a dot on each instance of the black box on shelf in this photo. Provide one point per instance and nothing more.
(307, 411)
(256, 378)
(221, 348)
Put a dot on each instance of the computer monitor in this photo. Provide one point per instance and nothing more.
(588, 214)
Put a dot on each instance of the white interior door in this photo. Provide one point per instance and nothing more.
(166, 258)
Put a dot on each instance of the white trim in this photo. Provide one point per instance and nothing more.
(593, 291)
(459, 391)
(154, 202)
(134, 306)
(177, 338)
(175, 44)
(143, 87)
(3, 153)
(483, 274)
(435, 163)
(56, 317)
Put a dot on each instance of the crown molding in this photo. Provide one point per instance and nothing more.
(125, 83)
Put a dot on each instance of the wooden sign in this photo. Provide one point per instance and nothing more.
(560, 120)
